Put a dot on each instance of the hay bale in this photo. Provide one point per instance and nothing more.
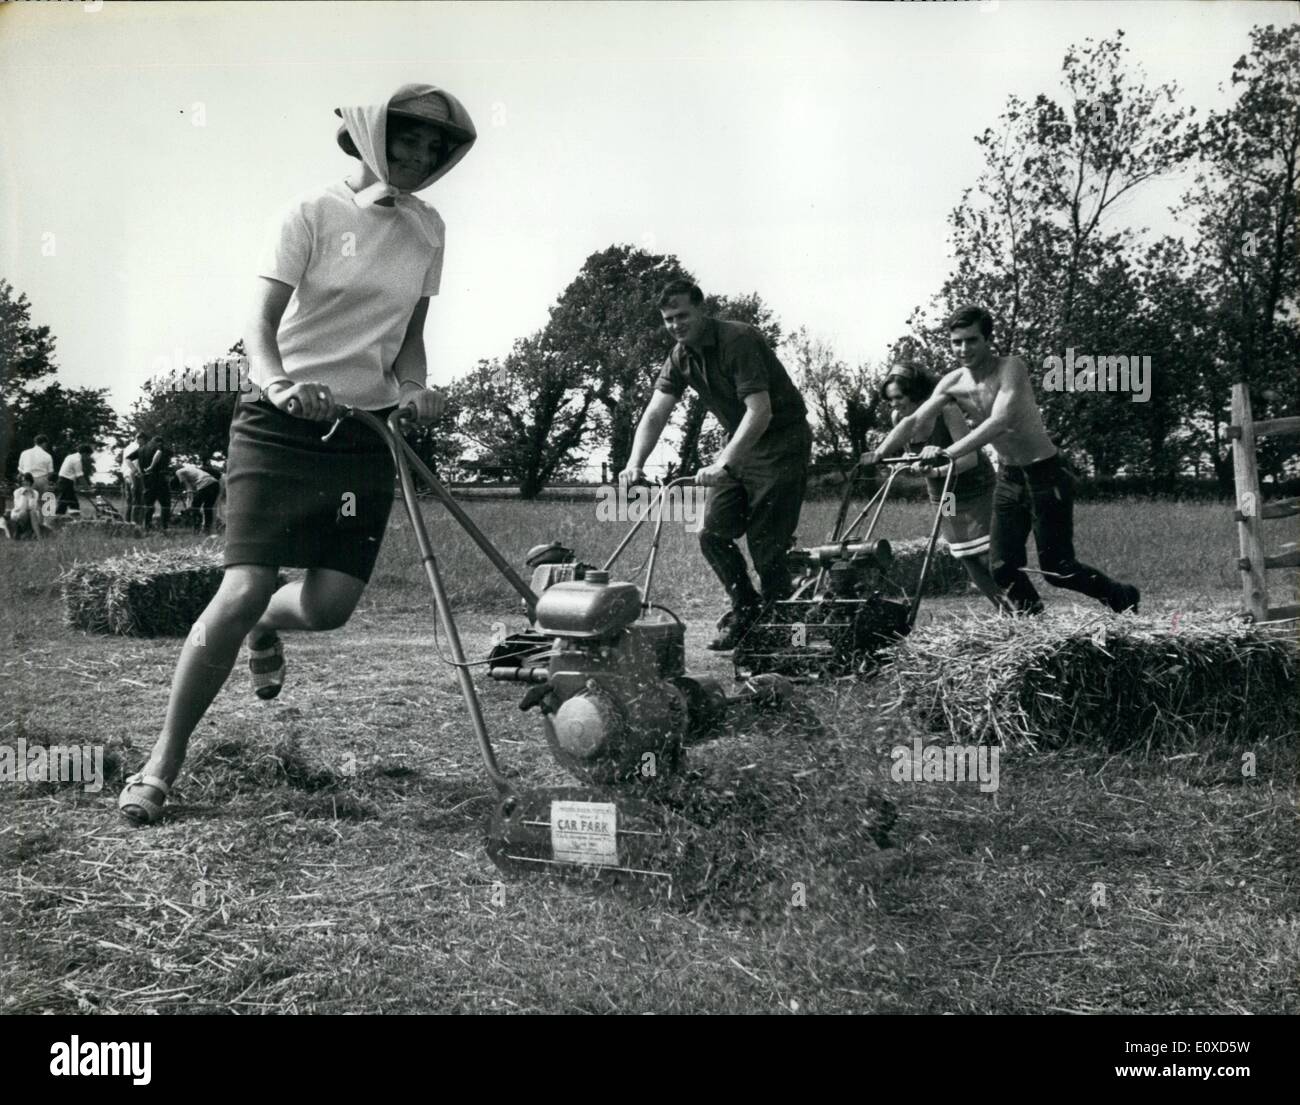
(105, 527)
(143, 593)
(947, 576)
(1096, 679)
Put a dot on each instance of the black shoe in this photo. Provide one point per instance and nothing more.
(1124, 597)
(732, 626)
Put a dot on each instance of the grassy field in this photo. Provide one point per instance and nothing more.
(323, 851)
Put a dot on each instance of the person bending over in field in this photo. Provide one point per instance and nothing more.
(966, 520)
(354, 263)
(203, 489)
(1035, 487)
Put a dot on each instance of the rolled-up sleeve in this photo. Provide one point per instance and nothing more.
(750, 365)
(671, 379)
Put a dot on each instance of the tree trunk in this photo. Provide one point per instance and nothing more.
(530, 485)
(621, 433)
(689, 452)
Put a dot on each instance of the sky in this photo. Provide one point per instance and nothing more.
(807, 151)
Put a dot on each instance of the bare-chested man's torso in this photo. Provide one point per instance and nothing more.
(1025, 441)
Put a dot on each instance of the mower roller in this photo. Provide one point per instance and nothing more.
(838, 620)
(605, 668)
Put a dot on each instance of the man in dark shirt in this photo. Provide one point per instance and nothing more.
(156, 463)
(756, 484)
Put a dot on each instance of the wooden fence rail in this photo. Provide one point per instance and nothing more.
(1250, 512)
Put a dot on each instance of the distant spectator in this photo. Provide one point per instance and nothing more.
(156, 463)
(203, 490)
(133, 478)
(39, 463)
(74, 472)
(25, 519)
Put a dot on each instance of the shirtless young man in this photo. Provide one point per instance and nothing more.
(1035, 488)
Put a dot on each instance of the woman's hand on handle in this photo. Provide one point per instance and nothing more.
(426, 404)
(314, 402)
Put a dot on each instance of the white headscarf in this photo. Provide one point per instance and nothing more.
(367, 126)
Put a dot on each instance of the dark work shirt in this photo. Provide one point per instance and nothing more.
(732, 362)
(156, 474)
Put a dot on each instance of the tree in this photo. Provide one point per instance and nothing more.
(1244, 207)
(68, 417)
(529, 412)
(844, 403)
(194, 423)
(1034, 240)
(26, 351)
(439, 444)
(606, 326)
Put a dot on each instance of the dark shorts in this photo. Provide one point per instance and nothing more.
(295, 501)
(967, 521)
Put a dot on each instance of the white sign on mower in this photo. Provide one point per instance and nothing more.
(585, 833)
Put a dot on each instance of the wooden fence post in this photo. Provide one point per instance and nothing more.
(1250, 510)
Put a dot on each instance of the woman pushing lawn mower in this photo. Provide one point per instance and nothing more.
(967, 526)
(339, 322)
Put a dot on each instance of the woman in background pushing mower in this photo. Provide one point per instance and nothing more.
(339, 321)
(966, 522)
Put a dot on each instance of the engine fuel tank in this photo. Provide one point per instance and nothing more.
(588, 609)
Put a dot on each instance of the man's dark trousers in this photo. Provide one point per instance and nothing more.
(67, 497)
(157, 491)
(763, 506)
(204, 500)
(1039, 497)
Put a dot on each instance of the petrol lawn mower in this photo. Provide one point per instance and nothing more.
(838, 620)
(605, 668)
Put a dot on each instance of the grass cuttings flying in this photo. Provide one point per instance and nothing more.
(774, 804)
(1087, 677)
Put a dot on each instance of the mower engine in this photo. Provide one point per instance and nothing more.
(610, 680)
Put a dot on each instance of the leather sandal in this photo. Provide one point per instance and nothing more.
(266, 666)
(135, 806)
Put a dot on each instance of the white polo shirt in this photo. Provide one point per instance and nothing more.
(72, 468)
(36, 461)
(129, 453)
(357, 274)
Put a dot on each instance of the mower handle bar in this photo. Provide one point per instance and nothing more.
(664, 488)
(914, 458)
(404, 457)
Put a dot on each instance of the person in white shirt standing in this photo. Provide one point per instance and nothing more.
(39, 463)
(339, 321)
(72, 475)
(133, 477)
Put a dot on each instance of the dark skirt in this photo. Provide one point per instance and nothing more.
(295, 501)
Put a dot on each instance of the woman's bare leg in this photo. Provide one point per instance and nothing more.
(324, 599)
(209, 653)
